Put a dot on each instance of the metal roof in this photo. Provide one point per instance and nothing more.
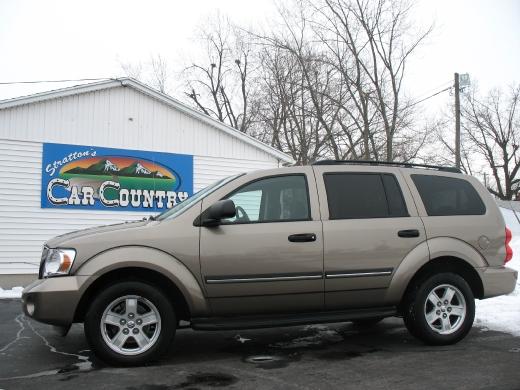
(145, 89)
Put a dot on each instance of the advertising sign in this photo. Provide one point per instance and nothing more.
(89, 177)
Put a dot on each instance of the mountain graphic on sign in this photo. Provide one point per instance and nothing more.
(101, 167)
(107, 167)
(138, 170)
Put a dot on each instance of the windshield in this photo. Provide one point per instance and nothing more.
(180, 207)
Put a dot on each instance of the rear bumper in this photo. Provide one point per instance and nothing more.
(53, 300)
(498, 281)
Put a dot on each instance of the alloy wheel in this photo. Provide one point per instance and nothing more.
(130, 325)
(445, 309)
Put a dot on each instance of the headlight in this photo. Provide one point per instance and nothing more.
(58, 262)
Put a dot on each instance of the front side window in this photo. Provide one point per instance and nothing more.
(363, 195)
(273, 199)
(442, 196)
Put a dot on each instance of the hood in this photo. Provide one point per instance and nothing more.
(65, 239)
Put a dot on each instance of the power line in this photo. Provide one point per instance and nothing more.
(52, 81)
(472, 99)
(431, 90)
(429, 97)
(109, 78)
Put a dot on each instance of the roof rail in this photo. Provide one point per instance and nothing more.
(387, 163)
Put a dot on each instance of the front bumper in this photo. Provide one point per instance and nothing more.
(498, 281)
(53, 300)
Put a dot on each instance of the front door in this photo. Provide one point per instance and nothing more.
(269, 258)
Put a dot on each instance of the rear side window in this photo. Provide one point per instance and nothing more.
(363, 195)
(443, 196)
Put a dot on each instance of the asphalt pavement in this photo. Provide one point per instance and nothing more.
(335, 356)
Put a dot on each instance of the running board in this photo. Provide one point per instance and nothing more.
(278, 320)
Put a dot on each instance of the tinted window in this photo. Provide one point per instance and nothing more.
(396, 205)
(274, 199)
(448, 196)
(363, 195)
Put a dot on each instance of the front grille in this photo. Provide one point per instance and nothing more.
(45, 253)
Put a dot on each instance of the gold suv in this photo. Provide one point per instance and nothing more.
(331, 242)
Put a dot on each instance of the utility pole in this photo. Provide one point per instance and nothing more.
(457, 121)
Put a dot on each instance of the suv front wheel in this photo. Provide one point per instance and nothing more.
(130, 323)
(440, 310)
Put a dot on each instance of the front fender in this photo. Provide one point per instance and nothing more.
(152, 259)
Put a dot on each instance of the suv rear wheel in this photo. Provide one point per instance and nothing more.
(440, 310)
(130, 323)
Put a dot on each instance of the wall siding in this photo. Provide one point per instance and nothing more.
(121, 118)
(102, 119)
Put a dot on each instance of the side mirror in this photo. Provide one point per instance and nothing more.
(220, 210)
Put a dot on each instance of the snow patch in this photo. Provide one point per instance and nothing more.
(15, 292)
(241, 339)
(140, 169)
(322, 336)
(110, 166)
(503, 313)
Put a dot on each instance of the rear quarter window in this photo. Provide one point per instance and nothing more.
(443, 196)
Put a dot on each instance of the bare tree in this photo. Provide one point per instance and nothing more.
(324, 81)
(339, 35)
(154, 72)
(370, 43)
(303, 83)
(288, 113)
(220, 84)
(352, 55)
(492, 127)
(160, 73)
(133, 70)
(441, 144)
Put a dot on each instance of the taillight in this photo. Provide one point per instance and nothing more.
(509, 250)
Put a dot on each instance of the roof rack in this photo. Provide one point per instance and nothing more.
(387, 163)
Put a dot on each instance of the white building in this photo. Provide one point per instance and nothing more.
(122, 114)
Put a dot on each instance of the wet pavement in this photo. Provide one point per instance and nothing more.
(305, 357)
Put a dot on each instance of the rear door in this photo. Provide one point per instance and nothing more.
(370, 224)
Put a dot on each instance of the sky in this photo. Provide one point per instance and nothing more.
(50, 40)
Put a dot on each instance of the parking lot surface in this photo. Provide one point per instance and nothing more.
(331, 356)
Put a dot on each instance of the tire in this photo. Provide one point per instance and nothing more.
(130, 323)
(367, 322)
(441, 323)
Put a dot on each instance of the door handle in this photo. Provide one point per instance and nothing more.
(408, 233)
(303, 237)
